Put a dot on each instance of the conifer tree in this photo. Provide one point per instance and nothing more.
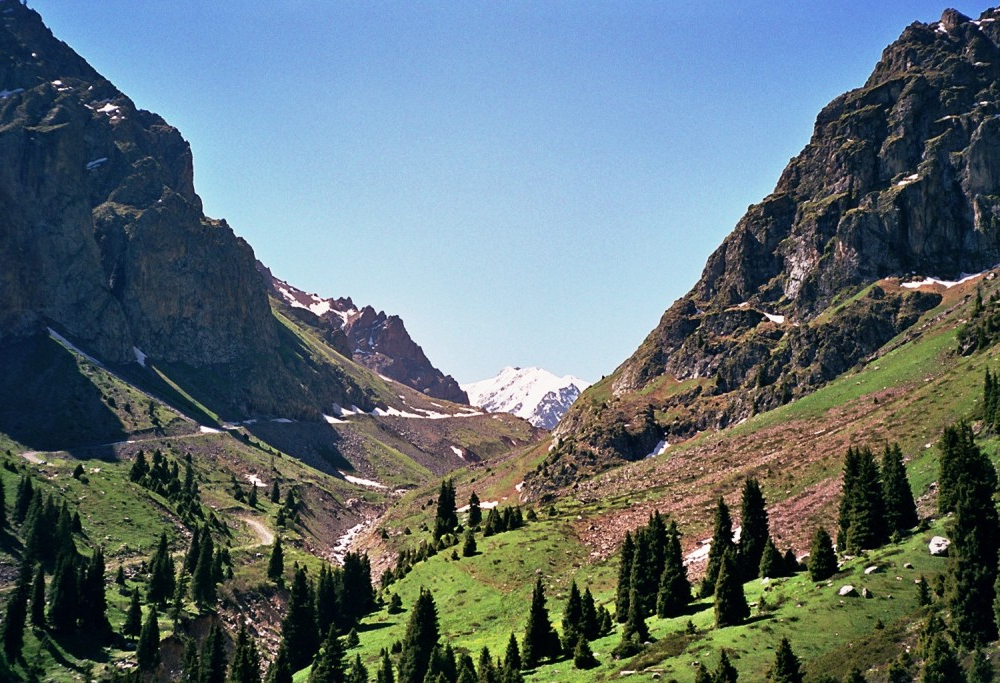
(22, 500)
(327, 600)
(900, 508)
(591, 622)
(786, 668)
(246, 659)
(981, 670)
(466, 670)
(420, 639)
(3, 506)
(38, 599)
(147, 651)
(252, 498)
(822, 558)
(866, 527)
(161, 578)
(358, 673)
(722, 542)
(133, 616)
(93, 613)
(540, 639)
(852, 472)
(280, 670)
(624, 578)
(446, 518)
(635, 633)
(384, 673)
(855, 676)
(731, 607)
(583, 656)
(275, 492)
(64, 603)
(191, 665)
(512, 657)
(204, 577)
(213, 657)
(772, 563)
(941, 664)
(898, 673)
(674, 591)
(572, 620)
(701, 674)
(486, 668)
(958, 452)
(475, 511)
(276, 563)
(650, 561)
(725, 672)
(12, 628)
(469, 546)
(755, 529)
(299, 628)
(194, 550)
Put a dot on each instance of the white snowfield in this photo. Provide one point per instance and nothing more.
(369, 483)
(296, 298)
(948, 284)
(534, 394)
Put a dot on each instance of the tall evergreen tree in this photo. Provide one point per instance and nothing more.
(822, 562)
(941, 664)
(900, 508)
(624, 577)
(722, 543)
(512, 657)
(588, 609)
(161, 578)
(420, 639)
(357, 597)
(725, 672)
(280, 670)
(486, 668)
(674, 592)
(981, 670)
(852, 472)
(384, 673)
(22, 501)
(572, 620)
(213, 657)
(38, 599)
(647, 568)
(194, 550)
(583, 656)
(299, 628)
(446, 518)
(147, 652)
(93, 601)
(246, 659)
(635, 633)
(64, 605)
(540, 639)
(276, 563)
(133, 616)
(466, 670)
(786, 668)
(475, 511)
(469, 545)
(957, 447)
(191, 664)
(866, 527)
(755, 529)
(731, 607)
(358, 673)
(12, 628)
(329, 587)
(772, 564)
(204, 578)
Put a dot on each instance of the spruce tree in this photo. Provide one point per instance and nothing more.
(958, 451)
(466, 670)
(246, 659)
(772, 564)
(420, 639)
(64, 605)
(384, 673)
(725, 672)
(147, 651)
(755, 530)
(635, 633)
(855, 676)
(674, 591)
(328, 666)
(93, 614)
(624, 578)
(786, 668)
(591, 622)
(852, 472)
(475, 511)
(722, 542)
(358, 673)
(469, 546)
(512, 657)
(133, 616)
(12, 628)
(900, 508)
(23, 498)
(161, 578)
(275, 492)
(213, 657)
(191, 665)
(299, 628)
(194, 550)
(981, 670)
(898, 673)
(204, 577)
(701, 674)
(941, 664)
(38, 599)
(486, 668)
(540, 639)
(572, 620)
(583, 656)
(731, 607)
(866, 527)
(276, 563)
(446, 518)
(280, 670)
(822, 562)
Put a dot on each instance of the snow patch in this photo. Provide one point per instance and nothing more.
(256, 481)
(533, 394)
(908, 179)
(660, 449)
(69, 345)
(948, 284)
(518, 487)
(458, 451)
(208, 430)
(775, 318)
(370, 483)
(5, 93)
(140, 357)
(484, 505)
(96, 163)
(109, 109)
(334, 421)
(282, 420)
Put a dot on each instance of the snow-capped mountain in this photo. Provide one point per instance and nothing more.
(535, 394)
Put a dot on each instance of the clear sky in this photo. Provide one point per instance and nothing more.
(524, 183)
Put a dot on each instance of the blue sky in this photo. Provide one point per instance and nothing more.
(525, 183)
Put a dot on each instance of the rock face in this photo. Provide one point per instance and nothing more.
(378, 341)
(537, 395)
(104, 238)
(901, 178)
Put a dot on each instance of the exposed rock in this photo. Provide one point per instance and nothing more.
(867, 594)
(847, 590)
(939, 546)
(872, 570)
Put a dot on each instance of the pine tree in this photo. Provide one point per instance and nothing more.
(866, 527)
(191, 665)
(786, 665)
(147, 651)
(958, 452)
(982, 670)
(204, 577)
(475, 511)
(755, 530)
(194, 550)
(900, 509)
(327, 600)
(772, 564)
(276, 563)
(299, 628)
(725, 672)
(674, 592)
(512, 658)
(252, 498)
(941, 664)
(161, 578)
(246, 659)
(731, 607)
(12, 628)
(626, 554)
(486, 668)
(572, 620)
(466, 670)
(420, 639)
(275, 492)
(23, 498)
(280, 670)
(822, 562)
(722, 542)
(469, 546)
(583, 656)
(93, 613)
(384, 673)
(38, 599)
(64, 608)
(133, 617)
(213, 657)
(852, 469)
(540, 639)
(446, 518)
(591, 622)
(357, 673)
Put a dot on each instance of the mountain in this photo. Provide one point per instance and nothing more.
(375, 340)
(900, 181)
(535, 394)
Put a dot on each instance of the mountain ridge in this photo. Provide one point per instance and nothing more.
(534, 394)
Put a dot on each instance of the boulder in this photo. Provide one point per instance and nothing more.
(939, 546)
(847, 591)
(874, 569)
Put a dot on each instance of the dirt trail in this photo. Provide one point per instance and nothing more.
(264, 535)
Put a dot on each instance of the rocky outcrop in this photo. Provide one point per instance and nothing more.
(901, 177)
(105, 239)
(378, 341)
